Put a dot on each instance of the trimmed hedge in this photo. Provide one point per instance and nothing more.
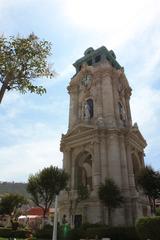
(8, 232)
(90, 231)
(115, 233)
(45, 232)
(148, 228)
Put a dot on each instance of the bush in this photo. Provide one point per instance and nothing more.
(63, 232)
(148, 228)
(89, 231)
(123, 233)
(158, 211)
(115, 233)
(45, 232)
(8, 232)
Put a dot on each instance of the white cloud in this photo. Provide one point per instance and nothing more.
(62, 75)
(117, 21)
(145, 106)
(20, 160)
(146, 110)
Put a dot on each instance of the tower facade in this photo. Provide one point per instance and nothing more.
(101, 141)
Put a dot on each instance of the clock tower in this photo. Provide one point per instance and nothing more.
(101, 141)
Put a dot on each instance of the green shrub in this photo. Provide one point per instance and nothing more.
(148, 228)
(75, 234)
(123, 233)
(63, 232)
(90, 231)
(115, 233)
(45, 232)
(8, 232)
(158, 211)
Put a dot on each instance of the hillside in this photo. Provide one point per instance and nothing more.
(12, 187)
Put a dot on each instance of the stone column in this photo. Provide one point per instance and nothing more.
(114, 158)
(99, 104)
(130, 167)
(129, 117)
(73, 109)
(96, 165)
(108, 101)
(133, 192)
(104, 160)
(67, 163)
(72, 173)
(125, 182)
(124, 165)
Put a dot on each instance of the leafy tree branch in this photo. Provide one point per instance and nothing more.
(22, 61)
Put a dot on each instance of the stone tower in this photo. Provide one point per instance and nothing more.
(101, 141)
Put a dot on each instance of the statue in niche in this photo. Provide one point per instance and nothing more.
(86, 80)
(88, 109)
(122, 113)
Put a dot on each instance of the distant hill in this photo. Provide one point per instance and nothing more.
(13, 187)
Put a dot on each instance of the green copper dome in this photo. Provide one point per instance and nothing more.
(93, 57)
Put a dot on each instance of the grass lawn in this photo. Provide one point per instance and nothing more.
(8, 238)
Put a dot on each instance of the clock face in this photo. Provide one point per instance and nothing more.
(86, 80)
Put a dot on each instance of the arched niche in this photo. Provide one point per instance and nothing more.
(136, 166)
(83, 170)
(87, 109)
(136, 163)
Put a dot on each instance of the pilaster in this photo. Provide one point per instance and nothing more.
(124, 165)
(73, 109)
(104, 159)
(108, 101)
(113, 158)
(96, 164)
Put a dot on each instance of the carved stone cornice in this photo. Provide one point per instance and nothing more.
(94, 71)
(135, 139)
(85, 70)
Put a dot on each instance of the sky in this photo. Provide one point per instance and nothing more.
(31, 125)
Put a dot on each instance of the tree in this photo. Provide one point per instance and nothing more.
(157, 211)
(149, 181)
(10, 203)
(22, 60)
(110, 195)
(45, 185)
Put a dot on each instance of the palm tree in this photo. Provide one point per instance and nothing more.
(110, 195)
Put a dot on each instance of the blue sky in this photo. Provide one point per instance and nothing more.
(30, 125)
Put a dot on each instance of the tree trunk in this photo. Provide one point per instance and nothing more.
(154, 206)
(109, 216)
(151, 204)
(103, 214)
(4, 86)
